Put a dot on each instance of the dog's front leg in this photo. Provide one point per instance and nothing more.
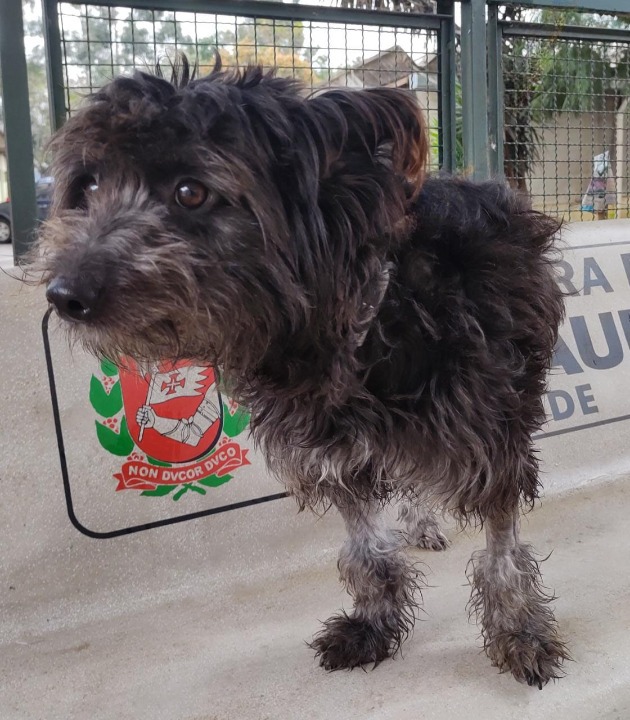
(382, 582)
(519, 630)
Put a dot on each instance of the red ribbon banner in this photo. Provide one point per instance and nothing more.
(143, 476)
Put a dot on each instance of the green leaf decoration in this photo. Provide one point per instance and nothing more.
(234, 425)
(183, 489)
(104, 404)
(119, 443)
(108, 368)
(159, 491)
(214, 481)
(159, 463)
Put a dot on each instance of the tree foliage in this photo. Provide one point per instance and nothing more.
(272, 44)
(434, 133)
(105, 43)
(553, 75)
(520, 118)
(577, 75)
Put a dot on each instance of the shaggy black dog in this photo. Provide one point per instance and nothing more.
(389, 333)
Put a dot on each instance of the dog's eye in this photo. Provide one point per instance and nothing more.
(191, 194)
(82, 188)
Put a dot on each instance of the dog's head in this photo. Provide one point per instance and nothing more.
(219, 218)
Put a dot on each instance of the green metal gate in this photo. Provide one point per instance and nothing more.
(93, 41)
(533, 102)
(564, 100)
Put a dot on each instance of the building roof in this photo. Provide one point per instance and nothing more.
(388, 68)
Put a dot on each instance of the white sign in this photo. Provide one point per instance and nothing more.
(589, 384)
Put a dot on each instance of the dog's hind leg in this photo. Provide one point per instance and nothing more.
(382, 582)
(518, 627)
(421, 526)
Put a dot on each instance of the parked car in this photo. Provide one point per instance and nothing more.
(43, 190)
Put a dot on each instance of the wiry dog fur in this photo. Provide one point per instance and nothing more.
(390, 333)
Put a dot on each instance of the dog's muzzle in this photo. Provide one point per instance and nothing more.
(74, 299)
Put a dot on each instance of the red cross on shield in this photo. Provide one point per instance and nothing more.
(174, 411)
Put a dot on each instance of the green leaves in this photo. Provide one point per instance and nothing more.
(183, 489)
(214, 480)
(105, 404)
(234, 425)
(159, 491)
(434, 134)
(180, 490)
(118, 443)
(110, 406)
(108, 368)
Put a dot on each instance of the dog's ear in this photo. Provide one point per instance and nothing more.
(388, 123)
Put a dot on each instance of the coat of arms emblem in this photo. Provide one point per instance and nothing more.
(174, 412)
(171, 422)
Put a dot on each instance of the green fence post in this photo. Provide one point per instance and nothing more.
(446, 86)
(475, 89)
(495, 92)
(54, 63)
(17, 122)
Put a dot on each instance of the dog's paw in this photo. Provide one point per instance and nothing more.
(530, 659)
(422, 530)
(348, 642)
(429, 540)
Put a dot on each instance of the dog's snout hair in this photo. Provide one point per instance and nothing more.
(390, 332)
(287, 176)
(116, 251)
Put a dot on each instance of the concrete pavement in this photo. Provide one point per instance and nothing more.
(213, 627)
(6, 255)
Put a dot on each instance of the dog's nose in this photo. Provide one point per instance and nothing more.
(74, 300)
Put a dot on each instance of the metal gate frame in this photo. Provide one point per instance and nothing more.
(443, 24)
(497, 31)
(17, 122)
(15, 86)
(482, 87)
